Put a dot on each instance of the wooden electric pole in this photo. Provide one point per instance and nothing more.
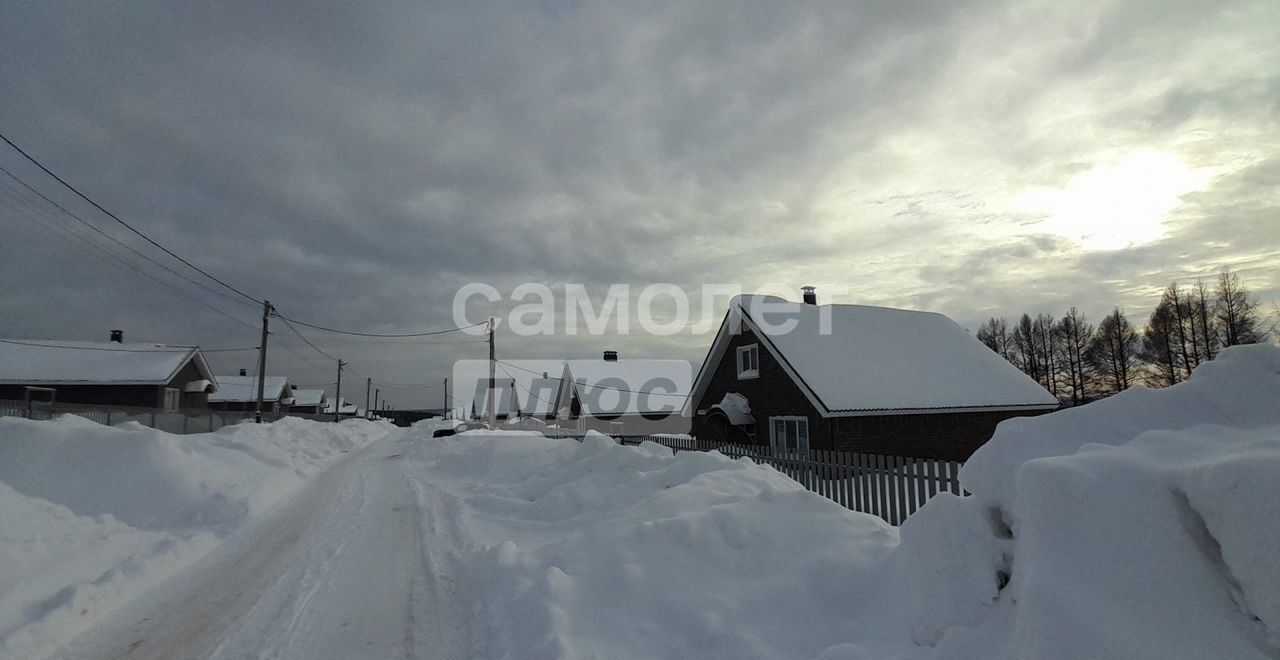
(493, 413)
(445, 401)
(337, 404)
(262, 360)
(368, 412)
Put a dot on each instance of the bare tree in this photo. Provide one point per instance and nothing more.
(1075, 335)
(1203, 317)
(1159, 344)
(1114, 351)
(995, 335)
(1237, 313)
(1026, 342)
(1047, 341)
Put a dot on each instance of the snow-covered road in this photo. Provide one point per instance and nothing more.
(357, 565)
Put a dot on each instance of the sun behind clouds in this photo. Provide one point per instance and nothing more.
(1116, 204)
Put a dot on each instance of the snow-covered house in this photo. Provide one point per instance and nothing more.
(345, 408)
(240, 393)
(308, 401)
(538, 395)
(506, 400)
(854, 378)
(109, 373)
(628, 397)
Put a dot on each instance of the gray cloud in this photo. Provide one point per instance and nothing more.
(357, 164)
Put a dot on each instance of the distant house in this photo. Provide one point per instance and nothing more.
(537, 395)
(345, 408)
(309, 401)
(627, 397)
(240, 394)
(855, 378)
(506, 401)
(106, 373)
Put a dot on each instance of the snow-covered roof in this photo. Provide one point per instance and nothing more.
(628, 387)
(50, 362)
(344, 408)
(736, 408)
(309, 397)
(865, 359)
(245, 388)
(505, 399)
(539, 396)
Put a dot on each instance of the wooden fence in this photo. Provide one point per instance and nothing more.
(891, 487)
(181, 421)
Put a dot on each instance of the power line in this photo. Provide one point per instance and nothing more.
(303, 337)
(169, 252)
(126, 225)
(158, 348)
(373, 334)
(115, 240)
(80, 241)
(597, 387)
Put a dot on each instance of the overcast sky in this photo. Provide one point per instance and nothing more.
(356, 163)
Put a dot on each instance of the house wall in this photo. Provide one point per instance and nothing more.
(139, 396)
(773, 393)
(946, 436)
(189, 400)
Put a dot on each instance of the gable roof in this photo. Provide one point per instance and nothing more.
(541, 395)
(627, 387)
(873, 360)
(240, 389)
(310, 398)
(505, 399)
(47, 362)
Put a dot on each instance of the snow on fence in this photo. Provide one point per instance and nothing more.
(891, 487)
(202, 421)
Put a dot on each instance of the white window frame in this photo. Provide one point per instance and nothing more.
(748, 361)
(172, 399)
(801, 428)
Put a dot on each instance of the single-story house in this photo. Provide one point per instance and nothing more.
(799, 376)
(345, 408)
(308, 401)
(110, 373)
(627, 397)
(240, 394)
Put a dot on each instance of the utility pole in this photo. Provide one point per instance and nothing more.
(377, 392)
(445, 401)
(368, 412)
(337, 403)
(262, 360)
(493, 414)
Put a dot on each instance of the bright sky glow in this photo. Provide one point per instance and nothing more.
(1115, 204)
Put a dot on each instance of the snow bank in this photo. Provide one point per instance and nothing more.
(1142, 526)
(594, 550)
(91, 515)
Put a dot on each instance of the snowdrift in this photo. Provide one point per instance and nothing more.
(595, 550)
(1142, 526)
(91, 515)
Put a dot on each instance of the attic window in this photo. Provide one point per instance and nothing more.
(748, 361)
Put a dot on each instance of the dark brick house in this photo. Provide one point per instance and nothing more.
(855, 378)
(106, 373)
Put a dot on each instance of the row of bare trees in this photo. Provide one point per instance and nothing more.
(1078, 361)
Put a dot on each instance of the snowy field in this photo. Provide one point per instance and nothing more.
(1142, 526)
